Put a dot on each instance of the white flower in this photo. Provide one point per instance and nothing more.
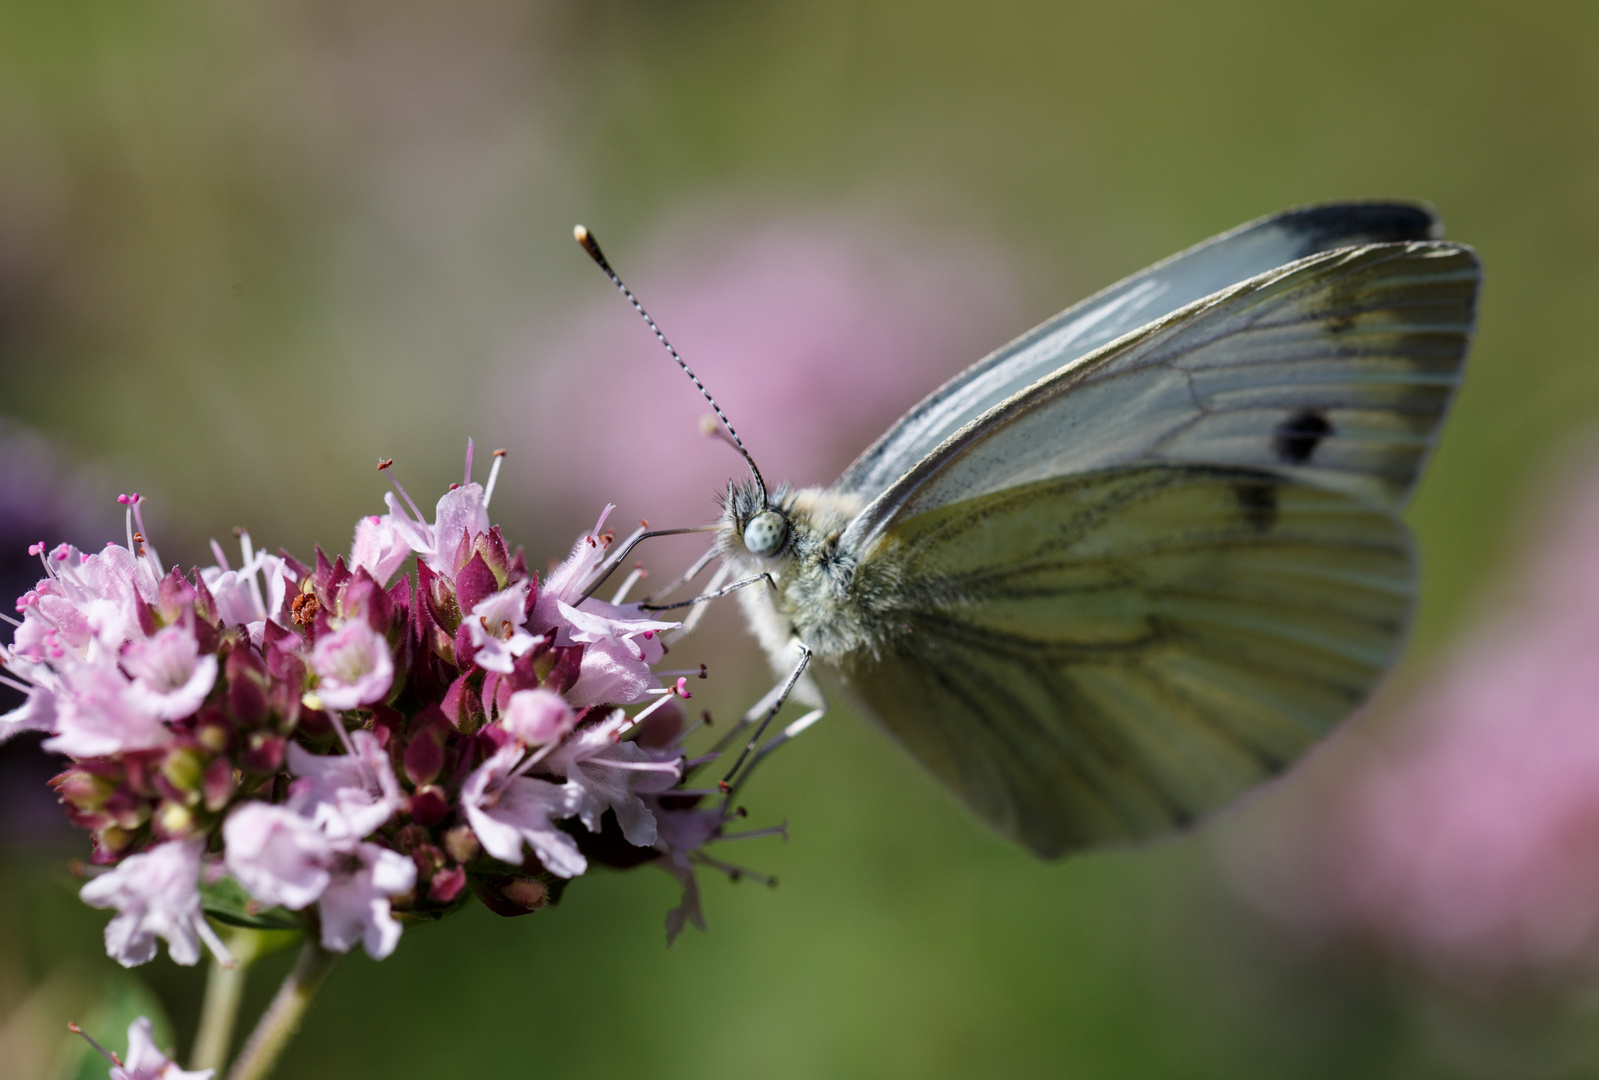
(156, 894)
(354, 666)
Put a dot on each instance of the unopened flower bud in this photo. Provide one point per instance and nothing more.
(217, 788)
(263, 753)
(214, 736)
(447, 885)
(174, 820)
(461, 843)
(511, 895)
(429, 806)
(84, 791)
(109, 842)
(184, 769)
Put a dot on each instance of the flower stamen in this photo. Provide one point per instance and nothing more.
(494, 476)
(72, 1026)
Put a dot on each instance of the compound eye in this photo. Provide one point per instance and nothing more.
(765, 533)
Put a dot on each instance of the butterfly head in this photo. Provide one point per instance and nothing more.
(754, 524)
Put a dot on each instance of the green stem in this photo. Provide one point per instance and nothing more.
(282, 1018)
(224, 989)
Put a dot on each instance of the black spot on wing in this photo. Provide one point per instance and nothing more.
(1321, 228)
(1258, 503)
(1296, 438)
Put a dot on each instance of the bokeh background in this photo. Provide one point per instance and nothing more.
(247, 249)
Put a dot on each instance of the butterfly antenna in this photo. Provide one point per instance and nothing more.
(592, 246)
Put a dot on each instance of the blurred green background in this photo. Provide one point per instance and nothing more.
(246, 249)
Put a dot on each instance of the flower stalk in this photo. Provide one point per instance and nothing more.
(282, 1018)
(224, 992)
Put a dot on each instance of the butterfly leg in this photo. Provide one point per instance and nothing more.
(799, 685)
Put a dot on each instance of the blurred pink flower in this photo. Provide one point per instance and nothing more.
(814, 335)
(1472, 840)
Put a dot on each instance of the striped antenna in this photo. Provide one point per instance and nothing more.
(592, 246)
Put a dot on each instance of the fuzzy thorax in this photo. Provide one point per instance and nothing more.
(832, 599)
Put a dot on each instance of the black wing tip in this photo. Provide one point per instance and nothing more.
(1380, 221)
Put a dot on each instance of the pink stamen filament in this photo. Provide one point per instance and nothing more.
(149, 547)
(470, 448)
(420, 519)
(639, 717)
(220, 556)
(15, 685)
(102, 1051)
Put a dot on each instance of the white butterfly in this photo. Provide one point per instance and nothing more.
(1141, 558)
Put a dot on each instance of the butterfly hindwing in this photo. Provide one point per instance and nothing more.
(1105, 656)
(1335, 370)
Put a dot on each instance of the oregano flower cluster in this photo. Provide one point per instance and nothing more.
(343, 748)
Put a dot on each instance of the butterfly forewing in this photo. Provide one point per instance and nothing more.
(1101, 657)
(1218, 263)
(1335, 370)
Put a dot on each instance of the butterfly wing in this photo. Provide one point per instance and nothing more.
(1104, 656)
(1151, 294)
(1335, 370)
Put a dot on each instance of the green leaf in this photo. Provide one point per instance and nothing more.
(227, 902)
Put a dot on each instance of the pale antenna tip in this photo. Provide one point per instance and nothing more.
(709, 427)
(590, 245)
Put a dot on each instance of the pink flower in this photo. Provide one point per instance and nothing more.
(279, 856)
(346, 795)
(495, 625)
(355, 905)
(36, 713)
(283, 857)
(461, 513)
(379, 549)
(603, 773)
(97, 714)
(568, 581)
(354, 665)
(538, 716)
(170, 677)
(145, 1061)
(617, 655)
(1469, 839)
(156, 894)
(505, 810)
